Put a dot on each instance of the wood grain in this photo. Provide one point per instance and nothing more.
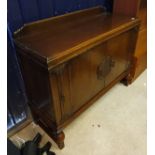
(66, 67)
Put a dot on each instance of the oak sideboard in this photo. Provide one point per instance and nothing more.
(69, 61)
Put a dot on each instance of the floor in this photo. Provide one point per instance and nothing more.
(114, 125)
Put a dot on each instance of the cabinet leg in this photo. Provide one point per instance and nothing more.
(131, 75)
(127, 80)
(57, 136)
(59, 139)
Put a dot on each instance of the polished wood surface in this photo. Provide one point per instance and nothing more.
(54, 44)
(60, 40)
(66, 67)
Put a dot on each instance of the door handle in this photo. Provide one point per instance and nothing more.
(105, 67)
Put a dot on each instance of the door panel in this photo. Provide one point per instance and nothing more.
(86, 75)
(80, 80)
(118, 50)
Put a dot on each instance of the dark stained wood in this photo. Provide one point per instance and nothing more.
(93, 99)
(126, 7)
(120, 55)
(52, 46)
(141, 48)
(62, 40)
(136, 8)
(66, 68)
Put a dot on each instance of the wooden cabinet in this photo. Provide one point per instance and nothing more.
(69, 61)
(136, 8)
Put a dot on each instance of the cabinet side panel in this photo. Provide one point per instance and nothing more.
(141, 46)
(36, 80)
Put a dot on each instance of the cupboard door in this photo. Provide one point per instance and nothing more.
(80, 79)
(86, 75)
(119, 50)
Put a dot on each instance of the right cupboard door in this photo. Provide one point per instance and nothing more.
(118, 53)
(84, 76)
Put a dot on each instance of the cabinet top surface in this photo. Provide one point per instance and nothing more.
(58, 36)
